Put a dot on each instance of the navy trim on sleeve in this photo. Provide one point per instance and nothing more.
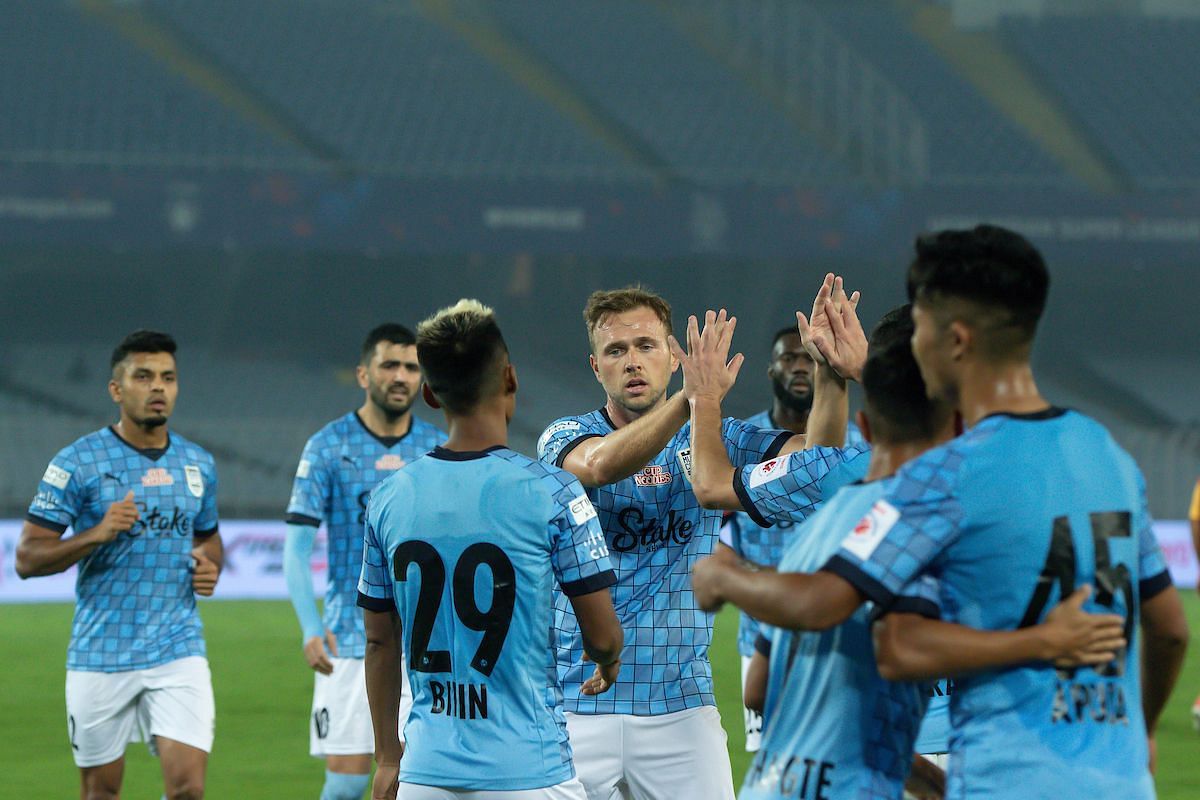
(571, 445)
(592, 583)
(302, 519)
(852, 574)
(1149, 587)
(762, 645)
(42, 522)
(205, 534)
(777, 445)
(743, 495)
(909, 605)
(375, 603)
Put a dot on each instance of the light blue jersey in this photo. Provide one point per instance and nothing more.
(934, 736)
(340, 466)
(764, 545)
(1010, 518)
(655, 531)
(833, 728)
(135, 607)
(468, 548)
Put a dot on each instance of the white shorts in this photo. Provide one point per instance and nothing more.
(340, 723)
(684, 755)
(568, 790)
(753, 719)
(108, 710)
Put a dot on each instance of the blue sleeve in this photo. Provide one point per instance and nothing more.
(1153, 575)
(788, 487)
(375, 582)
(311, 488)
(578, 551)
(61, 494)
(906, 531)
(297, 571)
(747, 444)
(921, 596)
(563, 436)
(205, 523)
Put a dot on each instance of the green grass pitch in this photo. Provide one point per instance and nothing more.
(263, 689)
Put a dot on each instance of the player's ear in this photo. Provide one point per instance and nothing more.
(510, 379)
(595, 365)
(860, 419)
(360, 372)
(960, 339)
(428, 396)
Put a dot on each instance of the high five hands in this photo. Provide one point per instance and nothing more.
(707, 369)
(833, 334)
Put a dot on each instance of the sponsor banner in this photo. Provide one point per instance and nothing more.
(253, 565)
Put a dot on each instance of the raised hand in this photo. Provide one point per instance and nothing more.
(707, 368)
(847, 353)
(816, 333)
(119, 518)
(1076, 638)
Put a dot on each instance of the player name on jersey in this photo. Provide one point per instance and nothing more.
(1077, 701)
(792, 776)
(461, 700)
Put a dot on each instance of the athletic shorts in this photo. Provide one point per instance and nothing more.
(568, 790)
(753, 719)
(108, 710)
(340, 723)
(626, 757)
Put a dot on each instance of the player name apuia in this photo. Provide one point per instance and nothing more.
(793, 777)
(1102, 702)
(651, 534)
(462, 700)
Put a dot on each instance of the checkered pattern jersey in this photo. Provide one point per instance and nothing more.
(531, 521)
(655, 531)
(135, 607)
(340, 466)
(1010, 517)
(764, 545)
(826, 703)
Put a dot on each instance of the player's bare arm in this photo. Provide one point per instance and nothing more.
(42, 551)
(926, 780)
(603, 638)
(602, 460)
(1164, 643)
(382, 671)
(209, 557)
(800, 601)
(910, 647)
(754, 692)
(708, 375)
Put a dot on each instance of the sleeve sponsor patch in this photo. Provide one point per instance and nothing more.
(555, 429)
(871, 529)
(582, 509)
(56, 477)
(768, 471)
(303, 468)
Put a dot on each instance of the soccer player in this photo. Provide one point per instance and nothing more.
(462, 549)
(836, 728)
(142, 507)
(1031, 503)
(658, 734)
(340, 466)
(790, 371)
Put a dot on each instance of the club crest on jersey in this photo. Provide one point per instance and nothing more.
(390, 461)
(768, 471)
(157, 476)
(871, 529)
(653, 475)
(685, 461)
(195, 481)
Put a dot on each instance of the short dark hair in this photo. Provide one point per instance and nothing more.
(896, 402)
(459, 349)
(601, 304)
(992, 267)
(142, 341)
(790, 330)
(387, 332)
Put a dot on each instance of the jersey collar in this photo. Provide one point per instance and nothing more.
(442, 453)
(152, 453)
(1053, 412)
(387, 441)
